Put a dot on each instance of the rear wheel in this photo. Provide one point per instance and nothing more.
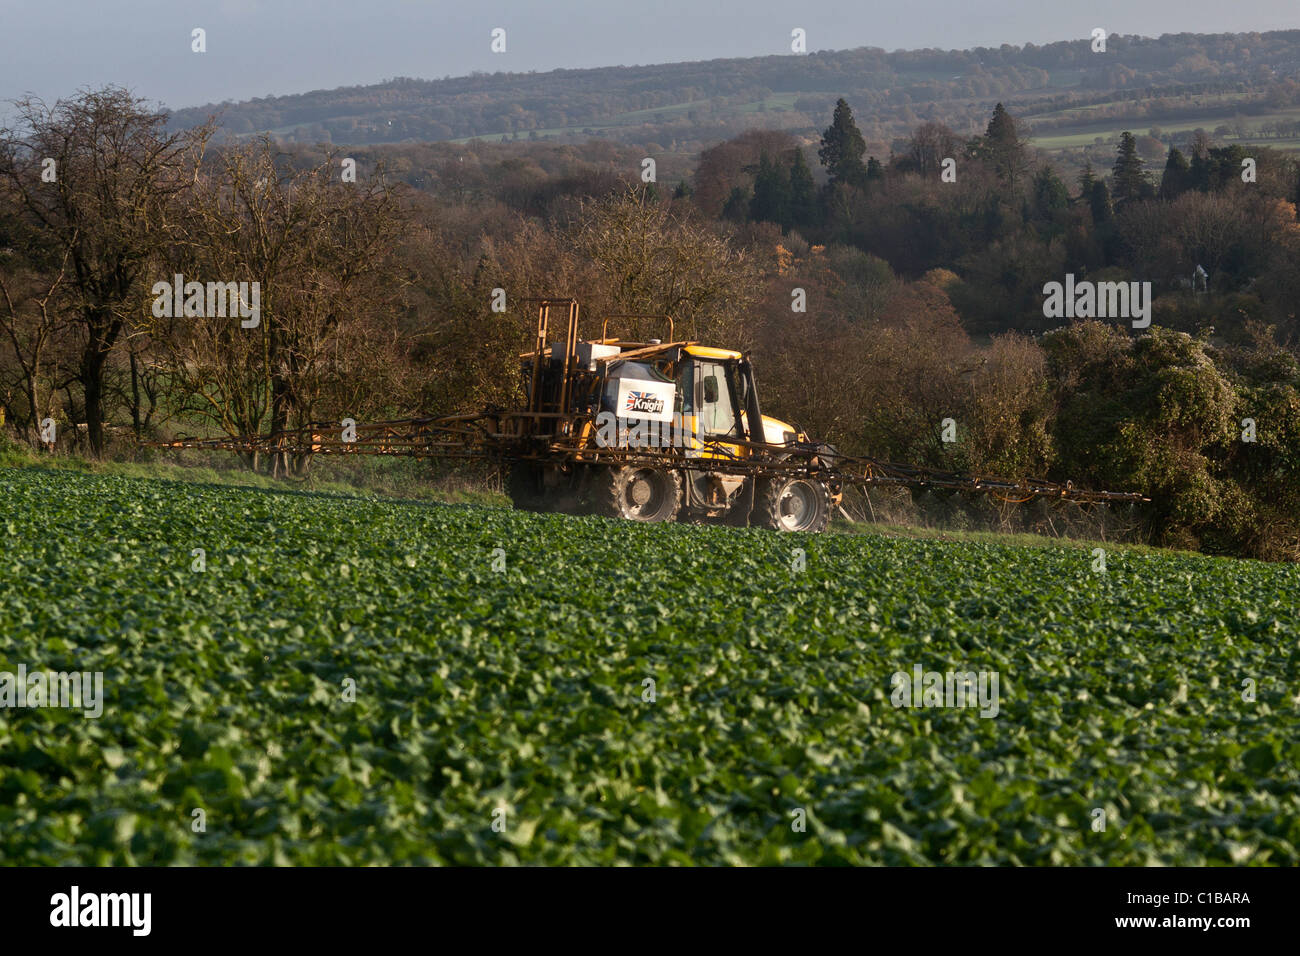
(637, 493)
(793, 504)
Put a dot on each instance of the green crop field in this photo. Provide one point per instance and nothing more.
(359, 680)
(1088, 130)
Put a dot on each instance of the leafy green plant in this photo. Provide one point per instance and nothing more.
(500, 660)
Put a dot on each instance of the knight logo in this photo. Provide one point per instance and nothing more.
(652, 401)
(643, 403)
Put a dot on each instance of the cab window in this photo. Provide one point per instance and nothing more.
(715, 404)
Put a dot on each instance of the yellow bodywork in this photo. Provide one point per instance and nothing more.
(705, 351)
(683, 432)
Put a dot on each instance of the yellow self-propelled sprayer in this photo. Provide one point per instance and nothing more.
(649, 431)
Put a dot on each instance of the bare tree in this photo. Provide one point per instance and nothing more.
(96, 177)
(649, 259)
(318, 247)
(33, 327)
(929, 145)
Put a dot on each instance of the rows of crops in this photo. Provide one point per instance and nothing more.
(355, 681)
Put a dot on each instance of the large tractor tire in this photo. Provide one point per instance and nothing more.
(792, 504)
(637, 493)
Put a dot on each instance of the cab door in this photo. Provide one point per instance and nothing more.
(718, 407)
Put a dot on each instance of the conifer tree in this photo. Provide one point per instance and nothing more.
(1128, 177)
(803, 192)
(1050, 194)
(1086, 180)
(1177, 175)
(1099, 201)
(842, 148)
(771, 201)
(1002, 148)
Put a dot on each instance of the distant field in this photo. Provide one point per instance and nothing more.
(359, 680)
(1086, 133)
(1075, 136)
(777, 102)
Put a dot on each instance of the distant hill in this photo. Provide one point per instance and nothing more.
(1070, 95)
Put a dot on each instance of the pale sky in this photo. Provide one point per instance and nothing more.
(273, 47)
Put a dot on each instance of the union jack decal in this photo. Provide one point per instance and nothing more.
(639, 401)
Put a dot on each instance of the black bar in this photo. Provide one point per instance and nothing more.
(928, 909)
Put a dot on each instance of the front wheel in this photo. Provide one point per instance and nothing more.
(793, 504)
(637, 494)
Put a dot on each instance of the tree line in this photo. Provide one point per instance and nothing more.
(693, 102)
(154, 284)
(929, 267)
(921, 283)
